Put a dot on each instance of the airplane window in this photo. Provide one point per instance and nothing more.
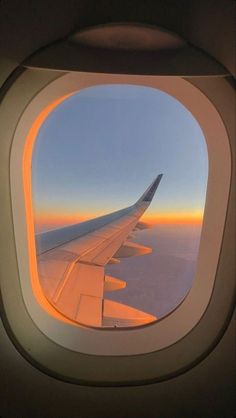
(119, 177)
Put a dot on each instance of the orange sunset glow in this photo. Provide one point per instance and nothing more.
(50, 220)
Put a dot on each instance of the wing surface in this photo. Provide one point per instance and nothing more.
(72, 260)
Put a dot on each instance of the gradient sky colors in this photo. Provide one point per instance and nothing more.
(99, 150)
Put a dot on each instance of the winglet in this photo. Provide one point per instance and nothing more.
(149, 193)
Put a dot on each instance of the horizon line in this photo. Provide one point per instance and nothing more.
(159, 219)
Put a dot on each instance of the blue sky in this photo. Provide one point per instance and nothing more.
(99, 150)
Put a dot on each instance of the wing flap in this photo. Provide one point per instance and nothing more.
(70, 282)
(90, 311)
(118, 315)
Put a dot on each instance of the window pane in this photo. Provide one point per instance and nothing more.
(96, 154)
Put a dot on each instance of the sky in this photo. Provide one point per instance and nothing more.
(101, 148)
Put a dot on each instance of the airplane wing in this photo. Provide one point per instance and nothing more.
(72, 261)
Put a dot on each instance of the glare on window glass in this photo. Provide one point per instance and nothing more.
(119, 175)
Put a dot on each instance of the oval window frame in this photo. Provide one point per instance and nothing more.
(102, 369)
(178, 323)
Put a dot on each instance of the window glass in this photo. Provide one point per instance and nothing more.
(96, 154)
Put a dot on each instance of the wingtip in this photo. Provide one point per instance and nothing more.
(148, 195)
